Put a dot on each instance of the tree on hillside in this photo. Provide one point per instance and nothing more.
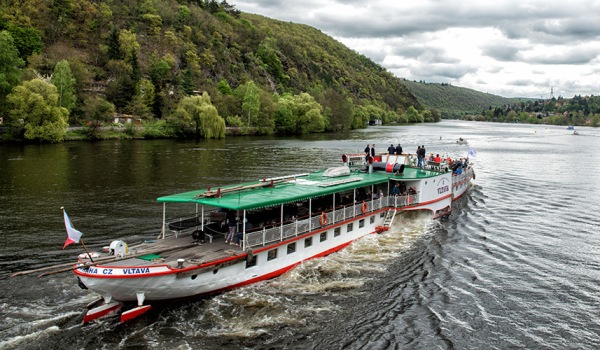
(298, 114)
(34, 106)
(251, 102)
(27, 40)
(64, 81)
(199, 113)
(114, 45)
(338, 108)
(10, 65)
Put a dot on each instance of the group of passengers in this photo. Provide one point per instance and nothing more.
(457, 166)
(401, 190)
(395, 150)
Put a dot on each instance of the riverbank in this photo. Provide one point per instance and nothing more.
(133, 132)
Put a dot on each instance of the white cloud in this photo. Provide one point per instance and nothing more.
(513, 48)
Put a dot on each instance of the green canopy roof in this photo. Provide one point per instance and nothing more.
(303, 187)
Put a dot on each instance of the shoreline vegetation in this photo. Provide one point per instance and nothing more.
(195, 69)
(183, 69)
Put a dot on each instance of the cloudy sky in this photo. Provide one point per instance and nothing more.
(512, 48)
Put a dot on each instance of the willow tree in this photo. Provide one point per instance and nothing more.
(197, 112)
(34, 106)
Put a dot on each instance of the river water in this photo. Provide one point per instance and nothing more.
(517, 264)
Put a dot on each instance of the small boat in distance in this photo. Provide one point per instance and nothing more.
(570, 127)
(461, 141)
(242, 234)
(575, 133)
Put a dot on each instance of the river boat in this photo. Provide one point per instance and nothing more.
(461, 141)
(279, 223)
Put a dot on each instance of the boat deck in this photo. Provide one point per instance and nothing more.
(193, 252)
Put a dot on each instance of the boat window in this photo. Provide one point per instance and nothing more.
(272, 254)
(337, 231)
(308, 242)
(323, 236)
(349, 228)
(382, 214)
(291, 248)
(251, 261)
(372, 219)
(361, 223)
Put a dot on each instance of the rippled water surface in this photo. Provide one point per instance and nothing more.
(517, 265)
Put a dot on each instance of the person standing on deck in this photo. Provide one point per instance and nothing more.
(396, 190)
(391, 149)
(373, 151)
(398, 149)
(367, 152)
(231, 221)
(419, 159)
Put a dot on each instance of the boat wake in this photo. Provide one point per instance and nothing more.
(295, 298)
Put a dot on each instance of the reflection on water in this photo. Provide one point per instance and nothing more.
(516, 265)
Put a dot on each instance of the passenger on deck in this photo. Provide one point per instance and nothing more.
(231, 222)
(380, 194)
(373, 150)
(437, 158)
(367, 152)
(398, 149)
(391, 149)
(396, 190)
(419, 159)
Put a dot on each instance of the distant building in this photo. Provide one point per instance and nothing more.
(127, 119)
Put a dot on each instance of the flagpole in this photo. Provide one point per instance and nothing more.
(80, 240)
(88, 253)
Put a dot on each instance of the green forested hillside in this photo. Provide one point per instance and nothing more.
(453, 101)
(183, 65)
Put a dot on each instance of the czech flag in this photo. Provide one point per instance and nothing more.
(73, 235)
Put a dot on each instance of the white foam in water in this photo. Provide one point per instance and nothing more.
(20, 340)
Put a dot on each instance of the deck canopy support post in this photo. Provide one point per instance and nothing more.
(333, 210)
(202, 224)
(354, 203)
(372, 198)
(244, 229)
(281, 224)
(309, 214)
(164, 219)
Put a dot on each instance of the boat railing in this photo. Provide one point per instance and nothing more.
(462, 177)
(406, 200)
(191, 222)
(264, 236)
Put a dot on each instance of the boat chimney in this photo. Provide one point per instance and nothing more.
(180, 263)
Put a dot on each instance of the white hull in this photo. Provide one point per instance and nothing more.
(164, 282)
